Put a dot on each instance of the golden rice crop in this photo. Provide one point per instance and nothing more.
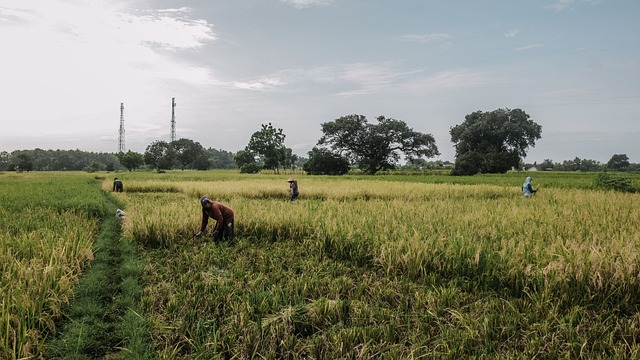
(418, 227)
(395, 238)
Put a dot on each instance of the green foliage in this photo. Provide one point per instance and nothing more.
(93, 167)
(160, 155)
(131, 160)
(618, 162)
(56, 160)
(268, 144)
(187, 152)
(244, 157)
(5, 158)
(251, 168)
(578, 164)
(104, 314)
(376, 147)
(493, 142)
(608, 181)
(324, 162)
(219, 159)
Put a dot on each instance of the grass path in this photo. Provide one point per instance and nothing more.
(102, 321)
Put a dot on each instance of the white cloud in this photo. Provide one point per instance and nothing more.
(529, 47)
(262, 84)
(364, 78)
(426, 38)
(511, 33)
(300, 4)
(561, 5)
(82, 54)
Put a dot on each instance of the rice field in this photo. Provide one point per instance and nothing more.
(369, 268)
(46, 233)
(359, 267)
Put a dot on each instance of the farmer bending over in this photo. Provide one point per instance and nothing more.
(117, 185)
(223, 216)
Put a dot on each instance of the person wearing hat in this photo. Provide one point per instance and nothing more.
(293, 189)
(117, 185)
(223, 216)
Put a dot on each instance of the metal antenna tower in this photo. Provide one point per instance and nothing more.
(121, 138)
(173, 119)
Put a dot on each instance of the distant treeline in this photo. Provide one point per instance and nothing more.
(78, 160)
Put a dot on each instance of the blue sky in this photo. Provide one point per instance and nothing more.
(232, 65)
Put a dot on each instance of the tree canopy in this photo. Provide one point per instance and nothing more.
(618, 162)
(160, 155)
(268, 144)
(131, 160)
(375, 147)
(324, 162)
(493, 142)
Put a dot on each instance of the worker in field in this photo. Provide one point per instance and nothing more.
(223, 216)
(293, 189)
(527, 189)
(117, 185)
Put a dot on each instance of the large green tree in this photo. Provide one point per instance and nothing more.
(186, 152)
(268, 145)
(618, 162)
(493, 142)
(375, 147)
(160, 155)
(130, 160)
(324, 162)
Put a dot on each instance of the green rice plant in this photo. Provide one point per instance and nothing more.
(46, 233)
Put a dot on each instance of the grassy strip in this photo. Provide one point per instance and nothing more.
(102, 320)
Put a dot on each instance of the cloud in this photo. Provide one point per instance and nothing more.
(300, 4)
(529, 47)
(268, 83)
(356, 79)
(426, 38)
(82, 54)
(511, 33)
(561, 5)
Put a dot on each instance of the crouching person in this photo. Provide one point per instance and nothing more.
(223, 216)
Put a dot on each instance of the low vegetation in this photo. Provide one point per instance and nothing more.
(392, 266)
(393, 269)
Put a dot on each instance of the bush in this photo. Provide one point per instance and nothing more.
(324, 162)
(606, 181)
(250, 168)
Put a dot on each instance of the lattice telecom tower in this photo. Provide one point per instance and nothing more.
(121, 138)
(173, 119)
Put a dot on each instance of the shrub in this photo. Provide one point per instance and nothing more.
(250, 168)
(607, 181)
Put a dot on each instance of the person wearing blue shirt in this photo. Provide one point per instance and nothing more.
(527, 189)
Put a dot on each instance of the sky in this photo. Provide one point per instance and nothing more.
(66, 66)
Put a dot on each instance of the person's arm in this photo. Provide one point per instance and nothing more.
(205, 220)
(531, 188)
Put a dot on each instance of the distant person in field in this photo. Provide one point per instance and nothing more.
(527, 189)
(117, 185)
(293, 189)
(223, 216)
